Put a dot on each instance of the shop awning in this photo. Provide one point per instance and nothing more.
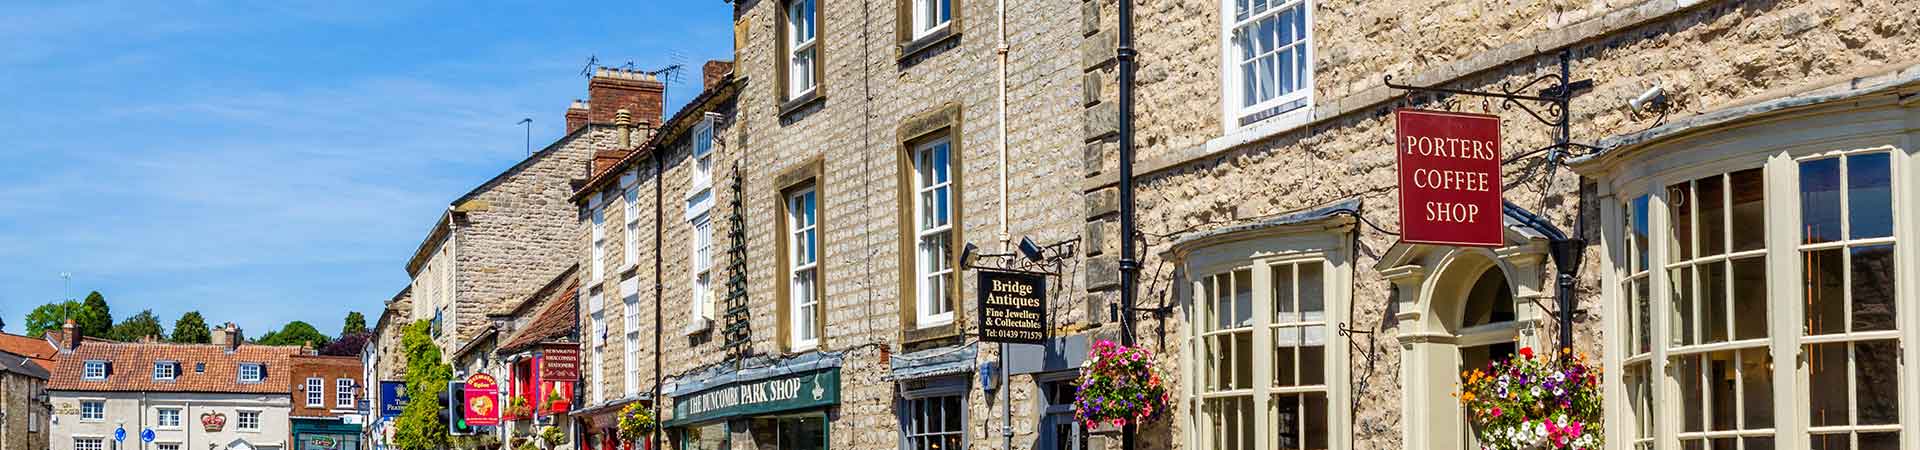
(934, 362)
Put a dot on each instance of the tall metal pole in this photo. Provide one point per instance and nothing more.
(1129, 268)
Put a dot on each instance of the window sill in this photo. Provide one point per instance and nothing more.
(629, 270)
(698, 326)
(805, 99)
(919, 45)
(1262, 130)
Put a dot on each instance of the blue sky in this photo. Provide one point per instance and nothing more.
(264, 163)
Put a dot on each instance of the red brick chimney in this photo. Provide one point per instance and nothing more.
(70, 335)
(576, 116)
(613, 89)
(713, 71)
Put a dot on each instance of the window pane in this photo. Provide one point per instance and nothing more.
(1691, 392)
(1285, 357)
(1283, 299)
(1713, 228)
(1869, 196)
(1312, 293)
(1750, 298)
(1679, 223)
(1720, 381)
(1820, 201)
(1222, 302)
(1877, 381)
(953, 414)
(1267, 81)
(1713, 300)
(1683, 316)
(1756, 388)
(1758, 443)
(1642, 296)
(1827, 367)
(1243, 360)
(1638, 222)
(1313, 357)
(1243, 297)
(1879, 441)
(1826, 299)
(1749, 209)
(1873, 288)
(1286, 421)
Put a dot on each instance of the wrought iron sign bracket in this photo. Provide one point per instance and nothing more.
(1033, 259)
(1549, 105)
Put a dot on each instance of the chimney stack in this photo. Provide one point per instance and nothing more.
(613, 89)
(713, 71)
(228, 337)
(576, 116)
(70, 335)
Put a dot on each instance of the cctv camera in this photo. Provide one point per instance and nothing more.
(1654, 98)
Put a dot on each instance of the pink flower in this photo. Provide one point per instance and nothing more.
(1496, 411)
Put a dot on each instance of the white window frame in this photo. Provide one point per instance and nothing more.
(258, 373)
(316, 392)
(597, 211)
(936, 391)
(631, 237)
(160, 416)
(700, 283)
(1786, 341)
(700, 154)
(803, 263)
(599, 330)
(89, 443)
(924, 24)
(630, 313)
(165, 370)
(1232, 98)
(801, 36)
(99, 410)
(94, 369)
(33, 420)
(240, 420)
(928, 294)
(343, 395)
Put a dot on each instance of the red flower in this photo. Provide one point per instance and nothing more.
(1526, 352)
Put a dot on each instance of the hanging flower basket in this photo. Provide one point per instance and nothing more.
(635, 421)
(1530, 402)
(1119, 386)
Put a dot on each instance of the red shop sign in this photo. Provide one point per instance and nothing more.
(560, 362)
(1449, 177)
(483, 404)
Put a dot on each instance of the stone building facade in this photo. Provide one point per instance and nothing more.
(771, 234)
(25, 408)
(1249, 187)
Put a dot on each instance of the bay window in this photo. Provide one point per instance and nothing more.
(1762, 284)
(1261, 344)
(1267, 59)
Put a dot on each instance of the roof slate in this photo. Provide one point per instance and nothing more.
(131, 368)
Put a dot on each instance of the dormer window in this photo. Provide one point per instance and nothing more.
(252, 372)
(165, 370)
(94, 370)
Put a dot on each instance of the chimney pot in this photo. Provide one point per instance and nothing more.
(623, 129)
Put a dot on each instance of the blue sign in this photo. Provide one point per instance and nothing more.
(120, 434)
(146, 435)
(393, 398)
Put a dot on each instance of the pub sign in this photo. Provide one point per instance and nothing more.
(483, 400)
(1449, 177)
(1013, 307)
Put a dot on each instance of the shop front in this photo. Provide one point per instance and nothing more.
(787, 406)
(330, 433)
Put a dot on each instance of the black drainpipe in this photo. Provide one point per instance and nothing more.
(654, 437)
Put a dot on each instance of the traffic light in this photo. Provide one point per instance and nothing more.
(453, 414)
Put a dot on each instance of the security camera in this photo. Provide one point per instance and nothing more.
(1654, 98)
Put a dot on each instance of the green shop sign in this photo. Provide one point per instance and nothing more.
(806, 390)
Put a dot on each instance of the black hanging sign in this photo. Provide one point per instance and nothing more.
(1013, 307)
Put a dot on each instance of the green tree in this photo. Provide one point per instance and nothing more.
(50, 317)
(191, 329)
(139, 326)
(419, 427)
(295, 333)
(93, 318)
(356, 324)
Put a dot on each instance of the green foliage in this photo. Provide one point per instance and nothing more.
(93, 318)
(552, 437)
(138, 326)
(1535, 402)
(295, 333)
(356, 324)
(418, 427)
(191, 329)
(50, 317)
